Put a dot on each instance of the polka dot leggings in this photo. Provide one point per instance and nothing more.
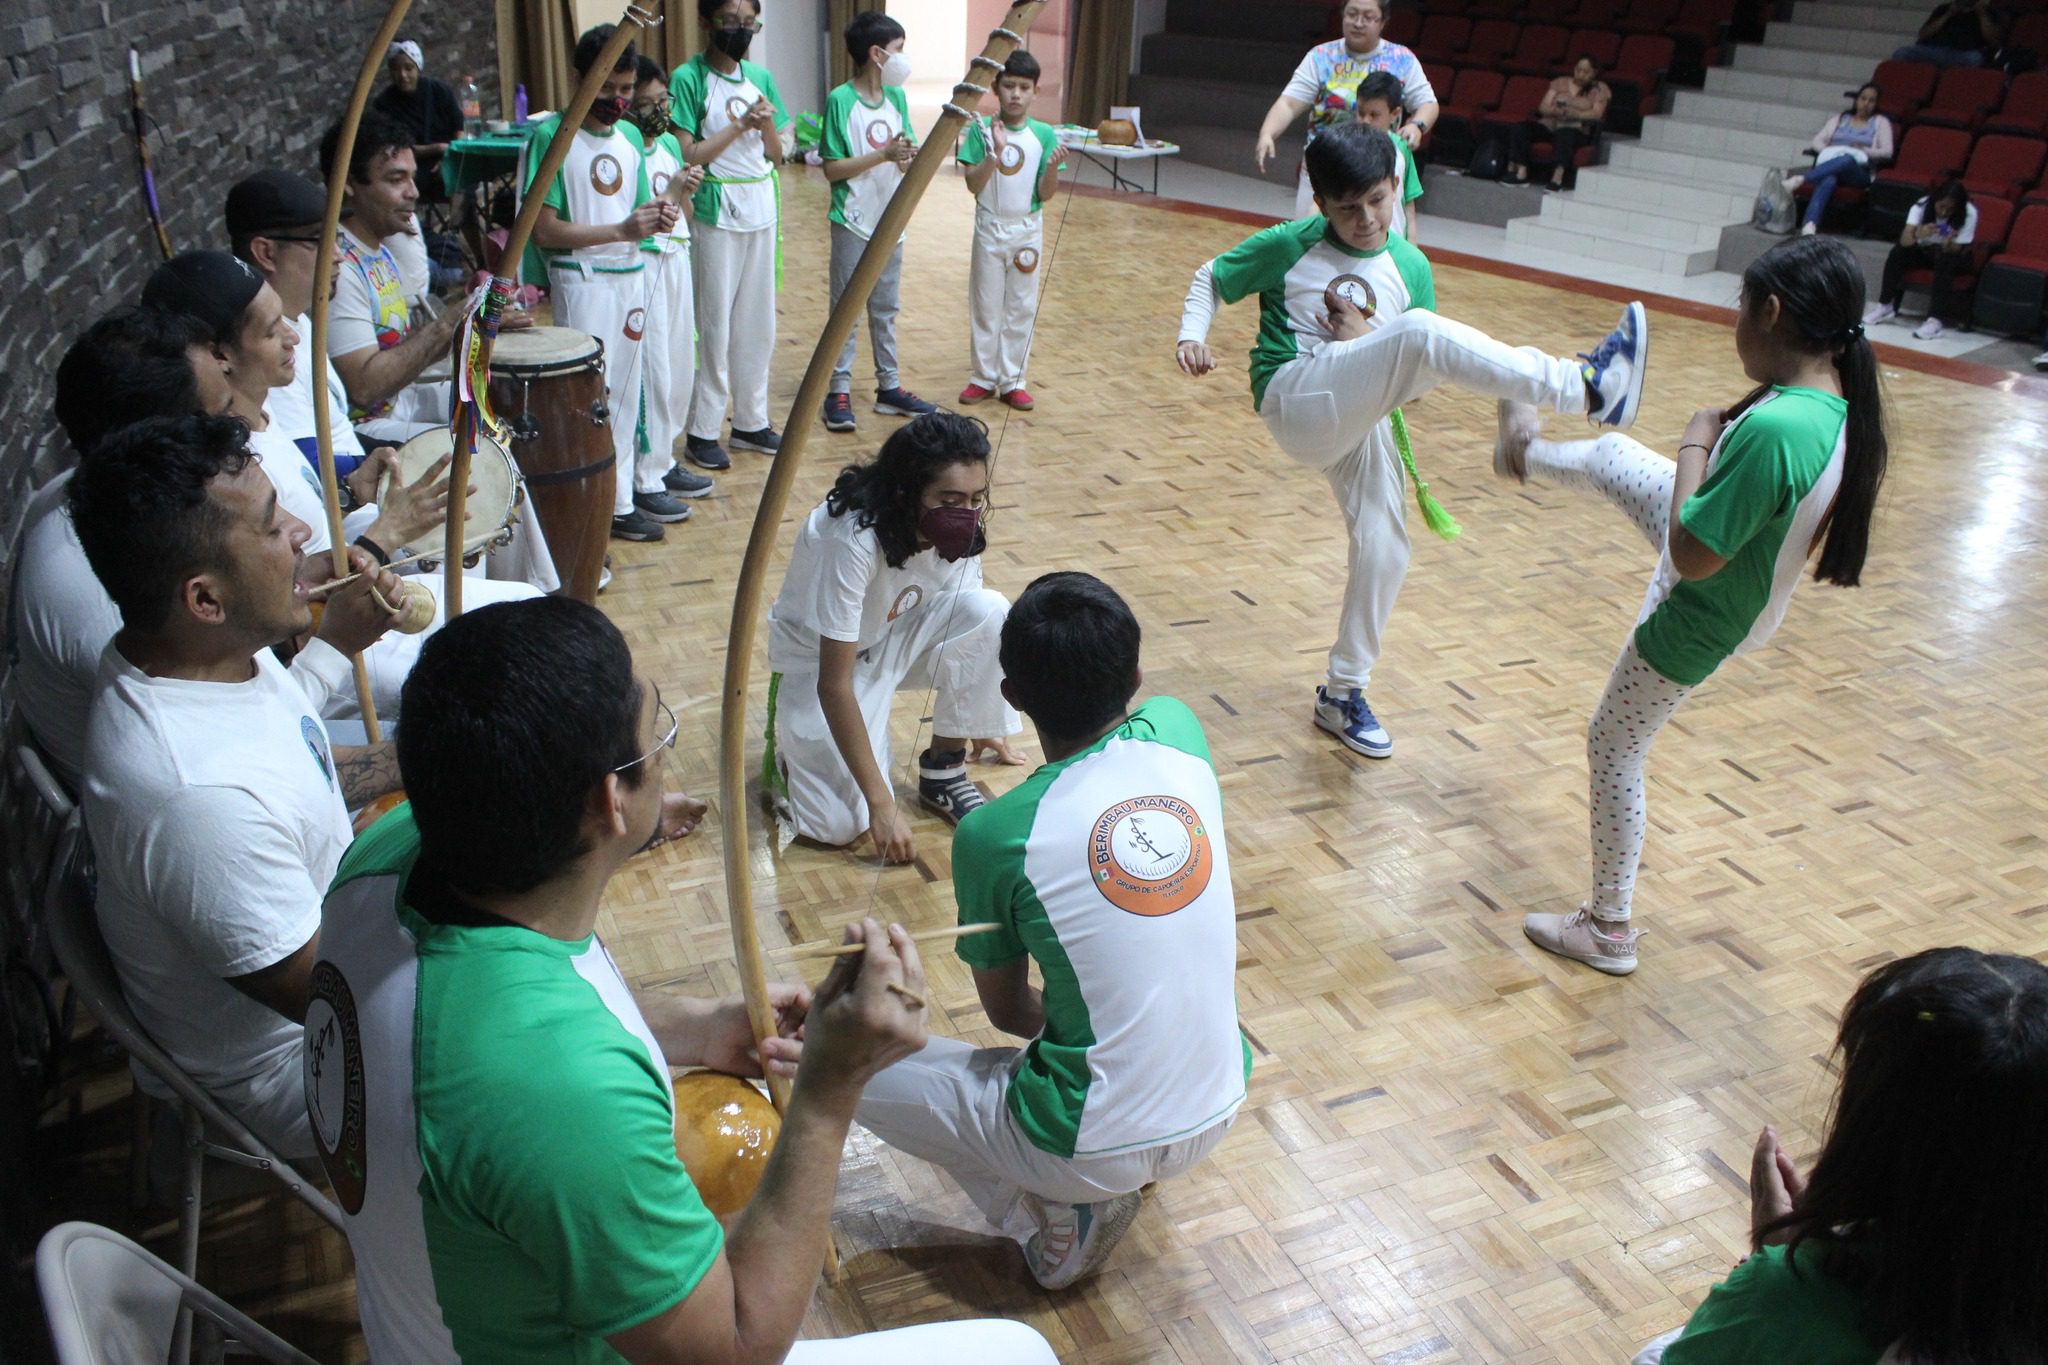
(1639, 699)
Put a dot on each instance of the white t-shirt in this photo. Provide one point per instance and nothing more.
(839, 586)
(372, 297)
(415, 272)
(58, 627)
(292, 406)
(217, 822)
(1917, 215)
(665, 163)
(601, 182)
(297, 485)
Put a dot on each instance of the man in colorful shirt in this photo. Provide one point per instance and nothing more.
(493, 1103)
(1345, 337)
(1107, 867)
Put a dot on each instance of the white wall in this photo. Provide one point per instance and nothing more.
(1149, 17)
(792, 45)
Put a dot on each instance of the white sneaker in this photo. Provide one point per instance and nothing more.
(1073, 1240)
(2041, 361)
(1878, 312)
(1575, 936)
(1614, 371)
(1928, 330)
(1808, 229)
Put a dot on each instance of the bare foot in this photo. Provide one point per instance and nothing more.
(1520, 424)
(680, 816)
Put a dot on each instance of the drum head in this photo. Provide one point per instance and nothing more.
(489, 508)
(538, 350)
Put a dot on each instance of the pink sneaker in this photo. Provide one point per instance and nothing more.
(975, 393)
(1577, 936)
(1018, 399)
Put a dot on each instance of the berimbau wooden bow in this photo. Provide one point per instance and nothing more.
(323, 271)
(748, 597)
(478, 335)
(142, 165)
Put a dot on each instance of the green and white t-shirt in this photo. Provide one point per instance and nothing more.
(664, 159)
(1776, 1308)
(1290, 266)
(603, 180)
(1110, 869)
(1407, 183)
(497, 1123)
(853, 127)
(1770, 481)
(739, 190)
(1012, 192)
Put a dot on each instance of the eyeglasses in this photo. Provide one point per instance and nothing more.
(283, 237)
(667, 741)
(753, 27)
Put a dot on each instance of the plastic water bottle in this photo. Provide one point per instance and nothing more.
(519, 107)
(472, 107)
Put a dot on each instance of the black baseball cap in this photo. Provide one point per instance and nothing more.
(211, 286)
(271, 199)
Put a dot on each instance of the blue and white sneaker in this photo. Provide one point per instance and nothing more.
(1073, 1240)
(1614, 371)
(1352, 722)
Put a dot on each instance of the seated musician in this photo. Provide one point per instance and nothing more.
(492, 1100)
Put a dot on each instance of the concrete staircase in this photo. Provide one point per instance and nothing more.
(1661, 203)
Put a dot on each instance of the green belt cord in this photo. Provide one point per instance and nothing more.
(1433, 513)
(772, 780)
(775, 181)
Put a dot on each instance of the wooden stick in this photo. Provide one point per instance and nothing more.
(801, 954)
(468, 549)
(323, 269)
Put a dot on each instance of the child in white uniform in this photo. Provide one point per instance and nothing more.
(1345, 338)
(884, 593)
(1012, 169)
(671, 344)
(597, 211)
(729, 117)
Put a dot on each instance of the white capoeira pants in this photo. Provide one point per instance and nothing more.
(670, 361)
(735, 327)
(946, 1105)
(1002, 299)
(984, 1341)
(1638, 700)
(949, 644)
(613, 307)
(1329, 411)
(390, 660)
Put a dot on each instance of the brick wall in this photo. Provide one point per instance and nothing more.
(235, 85)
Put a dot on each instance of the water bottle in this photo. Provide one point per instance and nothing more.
(519, 107)
(472, 107)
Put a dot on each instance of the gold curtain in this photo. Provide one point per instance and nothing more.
(1099, 73)
(536, 47)
(677, 39)
(838, 14)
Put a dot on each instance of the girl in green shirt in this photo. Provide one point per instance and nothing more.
(1753, 492)
(1920, 1237)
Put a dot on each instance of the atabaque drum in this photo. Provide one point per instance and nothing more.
(725, 1129)
(547, 388)
(487, 514)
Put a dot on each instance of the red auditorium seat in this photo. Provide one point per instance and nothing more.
(1443, 37)
(1540, 52)
(1926, 156)
(1491, 40)
(2003, 165)
(2013, 285)
(1603, 45)
(2025, 110)
(1902, 87)
(1963, 97)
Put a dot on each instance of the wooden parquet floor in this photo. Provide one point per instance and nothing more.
(1456, 1148)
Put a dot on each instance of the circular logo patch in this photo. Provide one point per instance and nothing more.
(659, 180)
(1027, 260)
(636, 324)
(736, 108)
(906, 600)
(606, 175)
(1150, 855)
(1010, 159)
(316, 745)
(1352, 290)
(879, 134)
(334, 1085)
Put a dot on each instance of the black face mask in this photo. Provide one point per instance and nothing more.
(607, 109)
(733, 42)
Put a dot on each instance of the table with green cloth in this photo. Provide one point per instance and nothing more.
(470, 161)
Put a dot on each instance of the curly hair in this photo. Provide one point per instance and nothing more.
(886, 496)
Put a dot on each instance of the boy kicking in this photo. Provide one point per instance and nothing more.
(1109, 869)
(1345, 338)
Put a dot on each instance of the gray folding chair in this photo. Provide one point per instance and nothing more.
(33, 809)
(109, 1302)
(208, 1130)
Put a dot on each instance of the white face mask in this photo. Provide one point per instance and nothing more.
(896, 71)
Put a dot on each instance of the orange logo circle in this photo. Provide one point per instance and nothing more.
(1150, 855)
(606, 175)
(1027, 259)
(906, 600)
(636, 324)
(1010, 159)
(1355, 291)
(879, 134)
(659, 181)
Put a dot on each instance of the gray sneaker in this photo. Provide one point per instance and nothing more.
(662, 507)
(1576, 936)
(684, 484)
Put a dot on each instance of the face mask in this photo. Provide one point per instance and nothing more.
(951, 530)
(896, 71)
(733, 42)
(651, 122)
(607, 109)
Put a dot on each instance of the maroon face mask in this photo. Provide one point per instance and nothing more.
(607, 109)
(950, 530)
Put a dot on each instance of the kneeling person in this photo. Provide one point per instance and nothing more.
(1107, 867)
(883, 593)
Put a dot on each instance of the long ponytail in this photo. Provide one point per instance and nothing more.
(1820, 290)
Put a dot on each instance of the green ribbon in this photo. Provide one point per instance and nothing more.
(1433, 513)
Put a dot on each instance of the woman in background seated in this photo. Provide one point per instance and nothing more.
(1850, 148)
(1939, 232)
(1569, 114)
(429, 108)
(1921, 1234)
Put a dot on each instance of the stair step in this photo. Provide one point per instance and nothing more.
(1881, 18)
(1705, 171)
(1649, 227)
(1863, 42)
(1267, 65)
(1740, 111)
(1847, 69)
(1536, 235)
(1169, 101)
(1707, 137)
(1633, 189)
(1803, 90)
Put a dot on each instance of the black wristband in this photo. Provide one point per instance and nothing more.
(376, 551)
